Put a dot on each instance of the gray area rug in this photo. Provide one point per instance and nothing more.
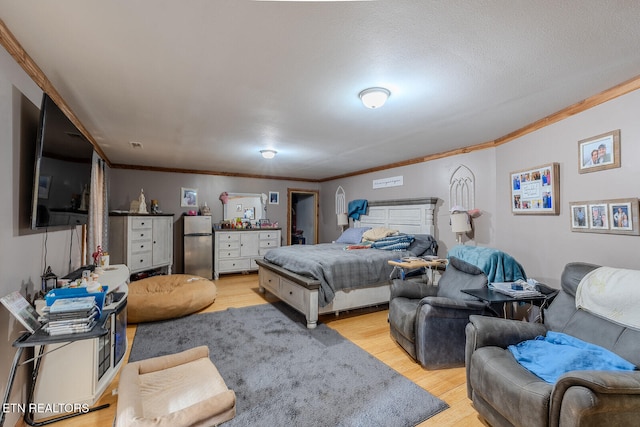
(285, 374)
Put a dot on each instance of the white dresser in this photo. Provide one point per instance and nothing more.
(141, 242)
(237, 250)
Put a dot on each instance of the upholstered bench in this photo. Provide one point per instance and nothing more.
(168, 297)
(178, 390)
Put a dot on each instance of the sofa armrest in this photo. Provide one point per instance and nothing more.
(485, 331)
(603, 395)
(412, 289)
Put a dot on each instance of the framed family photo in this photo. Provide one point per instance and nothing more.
(616, 216)
(536, 190)
(599, 152)
(274, 197)
(188, 197)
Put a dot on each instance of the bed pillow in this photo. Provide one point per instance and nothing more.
(378, 233)
(423, 244)
(352, 236)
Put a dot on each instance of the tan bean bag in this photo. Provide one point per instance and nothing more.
(168, 297)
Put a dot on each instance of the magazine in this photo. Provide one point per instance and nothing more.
(516, 289)
(22, 310)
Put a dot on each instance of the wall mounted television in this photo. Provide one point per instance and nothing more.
(62, 171)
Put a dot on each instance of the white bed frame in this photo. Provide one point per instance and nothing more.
(411, 216)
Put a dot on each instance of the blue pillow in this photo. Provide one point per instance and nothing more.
(352, 236)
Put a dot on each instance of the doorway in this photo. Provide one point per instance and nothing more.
(302, 218)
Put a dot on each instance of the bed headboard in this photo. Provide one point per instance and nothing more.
(411, 216)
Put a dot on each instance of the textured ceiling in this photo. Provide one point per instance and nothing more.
(205, 84)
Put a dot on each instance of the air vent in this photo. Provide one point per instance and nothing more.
(135, 145)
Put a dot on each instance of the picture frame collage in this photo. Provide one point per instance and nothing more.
(536, 190)
(614, 216)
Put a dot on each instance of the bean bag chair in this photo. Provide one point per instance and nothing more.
(168, 297)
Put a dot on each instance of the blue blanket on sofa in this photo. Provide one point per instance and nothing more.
(497, 265)
(555, 354)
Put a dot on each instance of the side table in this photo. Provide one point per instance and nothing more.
(493, 297)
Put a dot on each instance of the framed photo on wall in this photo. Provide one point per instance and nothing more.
(188, 198)
(599, 152)
(274, 197)
(536, 190)
(616, 216)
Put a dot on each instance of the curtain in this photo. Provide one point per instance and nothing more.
(98, 224)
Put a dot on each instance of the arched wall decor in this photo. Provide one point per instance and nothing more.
(462, 188)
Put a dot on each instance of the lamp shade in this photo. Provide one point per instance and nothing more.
(460, 222)
(343, 219)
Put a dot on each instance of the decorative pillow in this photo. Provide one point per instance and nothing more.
(352, 236)
(378, 233)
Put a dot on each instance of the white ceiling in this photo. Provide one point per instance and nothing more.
(205, 84)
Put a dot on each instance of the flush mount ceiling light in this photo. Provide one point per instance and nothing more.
(268, 154)
(374, 97)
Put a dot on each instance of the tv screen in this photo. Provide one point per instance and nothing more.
(62, 172)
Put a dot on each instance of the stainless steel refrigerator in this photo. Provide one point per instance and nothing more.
(198, 246)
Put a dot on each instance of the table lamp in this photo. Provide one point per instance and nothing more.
(460, 224)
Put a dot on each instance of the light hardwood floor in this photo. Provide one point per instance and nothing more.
(367, 328)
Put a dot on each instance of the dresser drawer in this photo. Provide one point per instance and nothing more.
(141, 234)
(141, 261)
(226, 245)
(293, 294)
(234, 264)
(141, 246)
(229, 253)
(268, 244)
(228, 237)
(268, 235)
(140, 223)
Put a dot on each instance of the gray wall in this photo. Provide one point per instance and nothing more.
(22, 251)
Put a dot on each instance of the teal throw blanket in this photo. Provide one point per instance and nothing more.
(497, 265)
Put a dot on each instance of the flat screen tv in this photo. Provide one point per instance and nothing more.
(62, 172)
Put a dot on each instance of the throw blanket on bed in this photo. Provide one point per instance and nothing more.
(612, 293)
(357, 208)
(393, 243)
(497, 265)
(334, 267)
(556, 354)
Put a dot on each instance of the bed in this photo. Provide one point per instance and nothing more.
(327, 278)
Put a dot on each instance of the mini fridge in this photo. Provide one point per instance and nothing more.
(198, 246)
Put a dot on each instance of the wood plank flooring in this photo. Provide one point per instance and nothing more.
(367, 328)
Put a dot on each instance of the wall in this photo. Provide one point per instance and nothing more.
(544, 244)
(125, 186)
(22, 251)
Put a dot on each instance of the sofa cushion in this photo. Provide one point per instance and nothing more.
(460, 275)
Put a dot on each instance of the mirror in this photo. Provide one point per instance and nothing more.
(248, 206)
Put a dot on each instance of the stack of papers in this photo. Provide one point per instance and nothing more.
(71, 315)
(517, 289)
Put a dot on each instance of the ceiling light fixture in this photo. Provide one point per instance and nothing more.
(374, 97)
(268, 154)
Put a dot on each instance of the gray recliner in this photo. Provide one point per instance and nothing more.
(506, 394)
(428, 321)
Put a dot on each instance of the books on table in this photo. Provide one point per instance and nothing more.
(71, 315)
(517, 289)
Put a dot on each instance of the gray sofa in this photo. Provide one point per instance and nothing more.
(506, 394)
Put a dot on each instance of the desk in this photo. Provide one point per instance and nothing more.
(493, 297)
(405, 266)
(41, 339)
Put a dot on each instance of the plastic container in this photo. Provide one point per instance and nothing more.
(55, 294)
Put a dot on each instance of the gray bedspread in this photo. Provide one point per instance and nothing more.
(336, 268)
